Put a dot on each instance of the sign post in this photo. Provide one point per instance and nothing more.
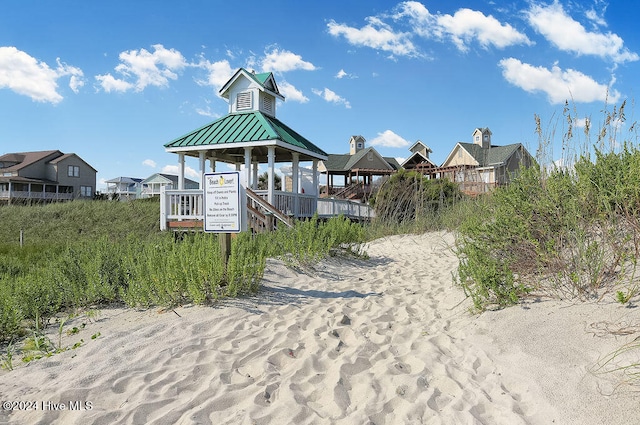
(223, 207)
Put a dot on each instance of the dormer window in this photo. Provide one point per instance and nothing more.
(359, 145)
(244, 101)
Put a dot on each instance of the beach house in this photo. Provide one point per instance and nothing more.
(419, 160)
(479, 166)
(45, 176)
(351, 175)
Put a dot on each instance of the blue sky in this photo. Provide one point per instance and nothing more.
(113, 81)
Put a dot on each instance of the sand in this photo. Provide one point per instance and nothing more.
(387, 340)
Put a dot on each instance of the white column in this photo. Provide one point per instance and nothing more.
(202, 159)
(180, 171)
(212, 163)
(271, 161)
(247, 166)
(295, 178)
(254, 186)
(316, 185)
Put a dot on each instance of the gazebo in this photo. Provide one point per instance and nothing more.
(250, 135)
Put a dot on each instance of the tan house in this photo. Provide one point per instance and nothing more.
(45, 176)
(481, 165)
(351, 175)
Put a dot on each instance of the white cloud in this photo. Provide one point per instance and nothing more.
(145, 69)
(278, 60)
(467, 25)
(552, 22)
(149, 163)
(343, 74)
(291, 93)
(377, 35)
(559, 85)
(389, 139)
(218, 73)
(109, 83)
(175, 170)
(331, 96)
(25, 75)
(462, 28)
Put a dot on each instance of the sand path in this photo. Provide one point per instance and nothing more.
(388, 340)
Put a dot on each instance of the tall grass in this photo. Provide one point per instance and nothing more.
(115, 261)
(565, 231)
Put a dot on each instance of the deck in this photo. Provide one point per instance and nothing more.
(182, 209)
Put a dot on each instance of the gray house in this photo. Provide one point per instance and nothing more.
(45, 176)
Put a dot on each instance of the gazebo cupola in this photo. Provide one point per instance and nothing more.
(247, 91)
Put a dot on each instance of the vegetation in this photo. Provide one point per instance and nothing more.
(83, 254)
(570, 232)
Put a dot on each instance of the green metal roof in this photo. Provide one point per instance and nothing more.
(242, 128)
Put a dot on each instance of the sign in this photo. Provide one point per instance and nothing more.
(223, 202)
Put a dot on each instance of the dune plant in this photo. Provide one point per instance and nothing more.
(571, 232)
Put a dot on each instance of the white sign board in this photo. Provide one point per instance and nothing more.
(223, 212)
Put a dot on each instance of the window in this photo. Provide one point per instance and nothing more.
(73, 171)
(85, 191)
(359, 145)
(477, 138)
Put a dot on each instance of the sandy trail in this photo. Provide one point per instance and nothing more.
(388, 340)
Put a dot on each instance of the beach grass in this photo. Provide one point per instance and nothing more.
(82, 254)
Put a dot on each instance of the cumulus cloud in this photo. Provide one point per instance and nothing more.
(331, 96)
(467, 25)
(27, 76)
(217, 73)
(278, 60)
(149, 163)
(553, 23)
(291, 93)
(175, 170)
(389, 139)
(559, 85)
(377, 35)
(462, 28)
(141, 68)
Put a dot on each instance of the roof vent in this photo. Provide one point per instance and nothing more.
(243, 101)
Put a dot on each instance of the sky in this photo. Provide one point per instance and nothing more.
(113, 81)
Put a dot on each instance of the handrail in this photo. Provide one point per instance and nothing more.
(267, 206)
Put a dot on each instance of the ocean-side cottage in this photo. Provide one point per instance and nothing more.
(480, 166)
(351, 175)
(250, 135)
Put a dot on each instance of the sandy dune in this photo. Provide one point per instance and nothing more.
(388, 340)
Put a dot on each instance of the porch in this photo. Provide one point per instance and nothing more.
(185, 208)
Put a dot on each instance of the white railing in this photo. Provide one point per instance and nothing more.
(23, 194)
(329, 207)
(188, 204)
(289, 203)
(179, 205)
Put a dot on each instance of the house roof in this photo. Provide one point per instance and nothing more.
(417, 158)
(346, 162)
(129, 180)
(265, 80)
(25, 159)
(243, 129)
(70, 155)
(495, 155)
(167, 178)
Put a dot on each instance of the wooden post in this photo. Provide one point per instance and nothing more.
(225, 248)
(21, 238)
